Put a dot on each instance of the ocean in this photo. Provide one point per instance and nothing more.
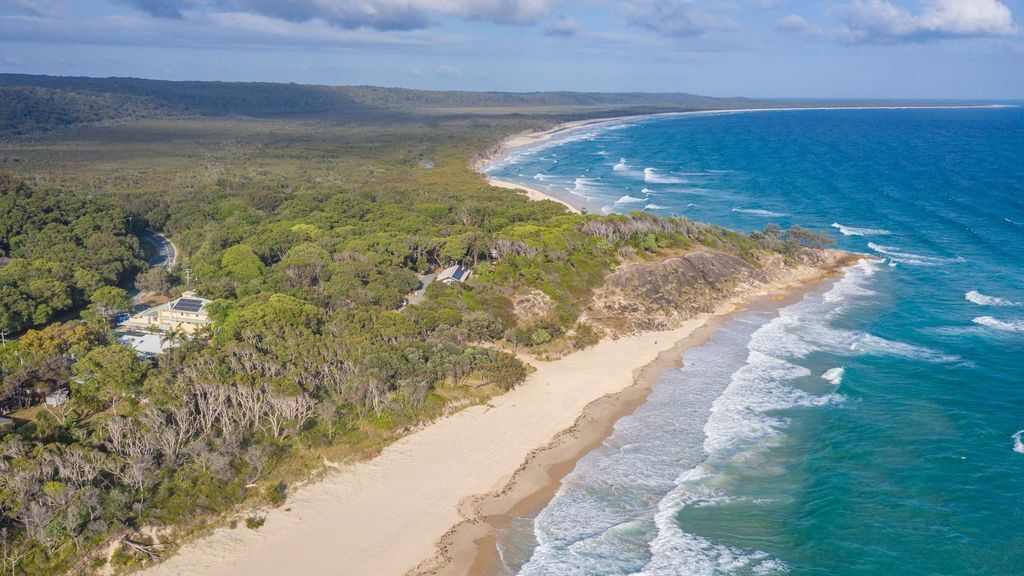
(874, 427)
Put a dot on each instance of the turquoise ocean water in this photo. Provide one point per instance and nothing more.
(871, 428)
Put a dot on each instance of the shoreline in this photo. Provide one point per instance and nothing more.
(470, 546)
(388, 515)
(525, 140)
(532, 193)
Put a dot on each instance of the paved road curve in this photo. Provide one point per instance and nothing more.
(166, 256)
(166, 253)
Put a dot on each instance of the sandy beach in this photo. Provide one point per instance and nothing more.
(527, 139)
(386, 516)
(531, 193)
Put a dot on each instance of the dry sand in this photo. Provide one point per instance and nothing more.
(383, 517)
(386, 516)
(531, 193)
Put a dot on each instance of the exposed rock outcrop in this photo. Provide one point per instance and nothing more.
(660, 295)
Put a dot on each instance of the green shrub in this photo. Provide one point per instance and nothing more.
(540, 336)
(255, 522)
(276, 495)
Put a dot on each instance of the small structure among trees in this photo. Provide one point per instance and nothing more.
(454, 274)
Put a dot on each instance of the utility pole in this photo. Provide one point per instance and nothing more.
(3, 338)
(130, 219)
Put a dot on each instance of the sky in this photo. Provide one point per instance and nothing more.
(943, 49)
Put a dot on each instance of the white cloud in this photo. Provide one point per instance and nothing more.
(562, 26)
(378, 14)
(675, 17)
(881, 21)
(216, 29)
(449, 71)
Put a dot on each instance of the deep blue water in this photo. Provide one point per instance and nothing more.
(868, 429)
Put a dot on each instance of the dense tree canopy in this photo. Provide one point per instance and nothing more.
(57, 250)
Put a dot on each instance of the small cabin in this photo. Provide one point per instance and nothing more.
(454, 274)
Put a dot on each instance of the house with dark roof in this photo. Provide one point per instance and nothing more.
(454, 274)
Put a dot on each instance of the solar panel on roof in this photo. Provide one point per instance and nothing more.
(188, 305)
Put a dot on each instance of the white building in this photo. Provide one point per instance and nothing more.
(145, 343)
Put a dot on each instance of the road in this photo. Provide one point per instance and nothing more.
(166, 256)
(416, 296)
(166, 253)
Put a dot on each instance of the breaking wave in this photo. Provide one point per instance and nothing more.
(583, 186)
(834, 376)
(653, 176)
(628, 200)
(1018, 446)
(980, 299)
(854, 231)
(1016, 326)
(757, 212)
(896, 255)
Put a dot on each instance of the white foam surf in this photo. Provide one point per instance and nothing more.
(654, 176)
(834, 376)
(854, 231)
(897, 255)
(1018, 446)
(757, 212)
(877, 346)
(584, 187)
(746, 420)
(621, 165)
(742, 398)
(629, 200)
(980, 299)
(653, 207)
(1013, 326)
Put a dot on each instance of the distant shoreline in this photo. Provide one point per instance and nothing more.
(530, 139)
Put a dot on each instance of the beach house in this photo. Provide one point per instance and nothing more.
(454, 274)
(186, 314)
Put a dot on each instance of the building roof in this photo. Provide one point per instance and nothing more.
(457, 273)
(191, 309)
(187, 305)
(146, 344)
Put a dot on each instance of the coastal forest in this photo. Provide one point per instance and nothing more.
(309, 235)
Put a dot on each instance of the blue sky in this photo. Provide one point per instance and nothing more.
(771, 48)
